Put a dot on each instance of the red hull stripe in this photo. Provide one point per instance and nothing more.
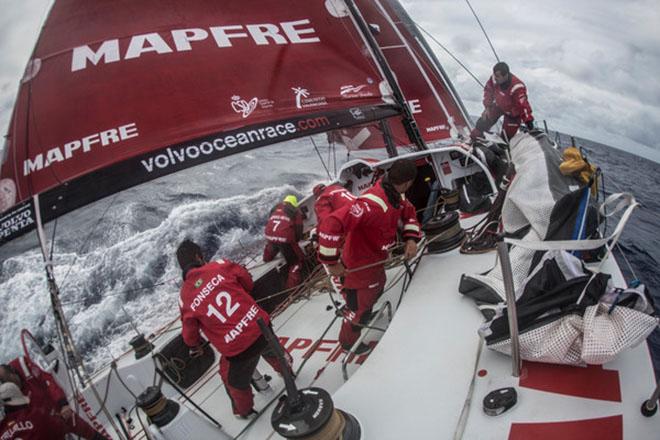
(610, 428)
(592, 382)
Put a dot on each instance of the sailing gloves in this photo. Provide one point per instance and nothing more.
(530, 124)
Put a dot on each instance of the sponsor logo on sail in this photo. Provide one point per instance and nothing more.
(185, 40)
(352, 91)
(247, 138)
(7, 194)
(357, 113)
(435, 128)
(78, 147)
(304, 98)
(17, 221)
(245, 108)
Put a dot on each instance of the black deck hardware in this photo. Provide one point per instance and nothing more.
(499, 401)
(307, 413)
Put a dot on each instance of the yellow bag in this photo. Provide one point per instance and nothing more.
(575, 165)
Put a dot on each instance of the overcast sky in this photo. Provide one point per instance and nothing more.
(592, 68)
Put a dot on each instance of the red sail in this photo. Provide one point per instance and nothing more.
(121, 92)
(430, 96)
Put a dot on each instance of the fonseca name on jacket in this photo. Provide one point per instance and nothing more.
(206, 291)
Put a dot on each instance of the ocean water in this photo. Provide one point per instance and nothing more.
(115, 263)
(638, 253)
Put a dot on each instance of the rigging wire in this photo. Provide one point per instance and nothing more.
(632, 271)
(459, 62)
(130, 320)
(52, 241)
(89, 236)
(482, 29)
(320, 157)
(443, 47)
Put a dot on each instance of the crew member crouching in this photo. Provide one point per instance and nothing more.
(45, 393)
(283, 232)
(25, 421)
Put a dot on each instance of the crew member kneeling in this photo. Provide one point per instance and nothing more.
(215, 298)
(283, 232)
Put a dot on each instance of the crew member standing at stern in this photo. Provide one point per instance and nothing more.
(215, 298)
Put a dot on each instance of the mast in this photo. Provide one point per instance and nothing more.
(387, 137)
(63, 332)
(73, 360)
(408, 120)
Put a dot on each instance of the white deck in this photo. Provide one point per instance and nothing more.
(417, 383)
(420, 382)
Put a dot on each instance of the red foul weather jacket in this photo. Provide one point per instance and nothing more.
(330, 199)
(285, 224)
(39, 386)
(512, 100)
(215, 299)
(369, 227)
(32, 423)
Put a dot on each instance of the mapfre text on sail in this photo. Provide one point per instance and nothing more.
(287, 32)
(78, 147)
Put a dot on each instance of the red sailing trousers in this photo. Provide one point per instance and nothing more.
(294, 257)
(359, 304)
(236, 373)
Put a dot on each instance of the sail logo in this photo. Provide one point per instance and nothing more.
(17, 221)
(78, 147)
(300, 94)
(435, 128)
(304, 99)
(351, 91)
(218, 146)
(7, 194)
(181, 40)
(243, 107)
(357, 113)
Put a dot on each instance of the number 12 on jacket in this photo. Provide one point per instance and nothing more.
(229, 307)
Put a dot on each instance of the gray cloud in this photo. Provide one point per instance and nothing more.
(19, 26)
(591, 67)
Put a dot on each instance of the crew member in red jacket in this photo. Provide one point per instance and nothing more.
(25, 421)
(283, 232)
(504, 94)
(215, 298)
(44, 392)
(330, 198)
(369, 227)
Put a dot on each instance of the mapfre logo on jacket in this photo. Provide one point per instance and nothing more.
(215, 299)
